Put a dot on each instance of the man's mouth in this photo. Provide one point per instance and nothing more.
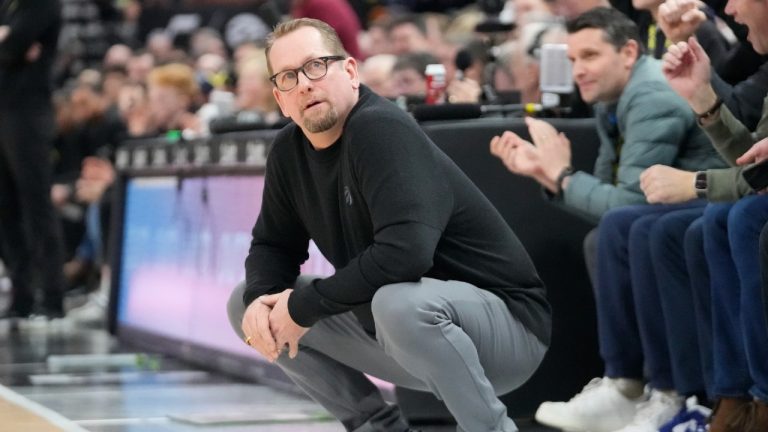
(312, 104)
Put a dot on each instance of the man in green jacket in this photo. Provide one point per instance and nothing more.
(640, 122)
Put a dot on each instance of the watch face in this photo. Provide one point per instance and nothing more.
(701, 181)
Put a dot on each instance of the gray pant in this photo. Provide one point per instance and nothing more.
(450, 338)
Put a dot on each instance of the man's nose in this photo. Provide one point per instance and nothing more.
(303, 81)
(577, 69)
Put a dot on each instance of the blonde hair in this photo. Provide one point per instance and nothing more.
(327, 33)
(258, 65)
(175, 75)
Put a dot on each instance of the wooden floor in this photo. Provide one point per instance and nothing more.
(16, 417)
(69, 378)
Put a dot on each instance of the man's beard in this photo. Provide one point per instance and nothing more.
(322, 124)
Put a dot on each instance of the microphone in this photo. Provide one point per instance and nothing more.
(462, 62)
(471, 111)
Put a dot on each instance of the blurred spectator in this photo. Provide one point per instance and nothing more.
(160, 45)
(409, 76)
(518, 71)
(94, 127)
(212, 72)
(89, 77)
(246, 51)
(522, 62)
(112, 80)
(117, 55)
(376, 73)
(338, 14)
(408, 34)
(570, 9)
(528, 11)
(471, 75)
(254, 90)
(374, 41)
(172, 90)
(133, 106)
(139, 66)
(207, 41)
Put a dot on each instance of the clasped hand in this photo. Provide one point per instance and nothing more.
(269, 327)
(543, 160)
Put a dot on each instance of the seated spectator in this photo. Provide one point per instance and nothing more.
(518, 65)
(408, 34)
(133, 107)
(471, 82)
(707, 33)
(206, 40)
(160, 45)
(409, 74)
(376, 73)
(740, 79)
(254, 90)
(640, 121)
(172, 90)
(117, 55)
(139, 66)
(730, 231)
(570, 9)
(374, 41)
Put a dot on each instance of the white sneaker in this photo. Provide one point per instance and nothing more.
(93, 312)
(654, 413)
(600, 407)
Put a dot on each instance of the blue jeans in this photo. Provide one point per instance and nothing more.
(683, 314)
(698, 271)
(632, 242)
(731, 242)
(764, 268)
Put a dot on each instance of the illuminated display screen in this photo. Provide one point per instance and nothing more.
(183, 251)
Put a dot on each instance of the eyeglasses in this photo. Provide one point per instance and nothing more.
(313, 69)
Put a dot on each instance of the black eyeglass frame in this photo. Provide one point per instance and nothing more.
(324, 59)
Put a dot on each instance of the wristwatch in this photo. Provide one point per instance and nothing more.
(700, 184)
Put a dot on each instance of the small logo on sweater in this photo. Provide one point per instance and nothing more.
(347, 196)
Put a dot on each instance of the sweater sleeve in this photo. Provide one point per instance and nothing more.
(729, 136)
(732, 138)
(280, 242)
(399, 174)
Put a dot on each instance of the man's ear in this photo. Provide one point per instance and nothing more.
(630, 50)
(350, 67)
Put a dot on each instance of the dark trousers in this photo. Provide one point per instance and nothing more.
(731, 244)
(698, 271)
(642, 271)
(764, 267)
(29, 230)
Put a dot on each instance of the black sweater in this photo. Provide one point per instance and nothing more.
(384, 205)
